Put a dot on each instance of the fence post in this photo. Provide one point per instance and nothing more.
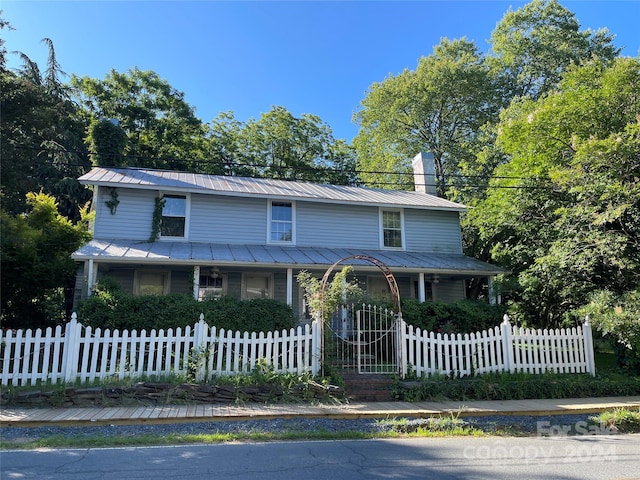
(315, 347)
(71, 351)
(199, 352)
(401, 345)
(588, 346)
(507, 349)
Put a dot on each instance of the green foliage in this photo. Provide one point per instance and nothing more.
(42, 145)
(622, 420)
(618, 317)
(160, 126)
(110, 307)
(107, 142)
(564, 216)
(439, 108)
(112, 204)
(516, 386)
(532, 47)
(279, 145)
(156, 219)
(36, 263)
(466, 316)
(339, 290)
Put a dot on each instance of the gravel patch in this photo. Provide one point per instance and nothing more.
(518, 425)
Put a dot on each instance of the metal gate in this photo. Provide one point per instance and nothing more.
(363, 338)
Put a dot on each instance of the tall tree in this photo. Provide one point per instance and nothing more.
(439, 108)
(42, 138)
(563, 215)
(280, 145)
(162, 129)
(532, 46)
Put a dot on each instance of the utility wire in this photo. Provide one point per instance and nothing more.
(302, 169)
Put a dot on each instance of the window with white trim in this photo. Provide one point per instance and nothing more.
(257, 286)
(281, 222)
(174, 216)
(391, 228)
(211, 286)
(149, 282)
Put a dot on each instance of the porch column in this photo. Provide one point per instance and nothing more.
(422, 296)
(290, 286)
(196, 281)
(494, 299)
(90, 278)
(434, 287)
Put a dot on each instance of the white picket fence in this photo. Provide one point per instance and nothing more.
(505, 348)
(80, 353)
(85, 354)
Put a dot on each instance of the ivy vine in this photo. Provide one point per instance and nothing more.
(156, 219)
(114, 202)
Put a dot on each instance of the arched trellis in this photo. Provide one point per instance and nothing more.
(393, 286)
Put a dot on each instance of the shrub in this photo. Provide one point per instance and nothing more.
(618, 317)
(465, 316)
(516, 386)
(112, 308)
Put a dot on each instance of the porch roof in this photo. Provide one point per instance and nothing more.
(194, 253)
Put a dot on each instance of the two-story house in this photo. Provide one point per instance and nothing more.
(166, 231)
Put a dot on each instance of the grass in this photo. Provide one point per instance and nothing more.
(620, 420)
(388, 428)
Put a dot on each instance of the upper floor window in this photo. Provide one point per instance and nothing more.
(281, 229)
(174, 216)
(392, 228)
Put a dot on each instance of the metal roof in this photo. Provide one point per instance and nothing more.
(262, 188)
(194, 253)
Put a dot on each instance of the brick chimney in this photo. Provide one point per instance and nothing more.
(424, 173)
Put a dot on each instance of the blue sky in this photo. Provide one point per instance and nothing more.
(246, 56)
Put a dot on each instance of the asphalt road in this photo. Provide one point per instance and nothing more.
(577, 457)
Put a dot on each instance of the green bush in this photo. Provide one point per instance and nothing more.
(112, 308)
(517, 386)
(465, 316)
(617, 317)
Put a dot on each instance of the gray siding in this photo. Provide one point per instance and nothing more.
(219, 219)
(238, 220)
(341, 226)
(132, 218)
(431, 231)
(451, 291)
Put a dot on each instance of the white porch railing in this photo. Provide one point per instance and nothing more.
(502, 349)
(86, 354)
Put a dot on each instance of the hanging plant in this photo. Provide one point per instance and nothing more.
(157, 219)
(114, 202)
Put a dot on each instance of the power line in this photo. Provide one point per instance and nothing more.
(230, 165)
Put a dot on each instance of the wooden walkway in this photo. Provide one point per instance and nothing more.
(31, 417)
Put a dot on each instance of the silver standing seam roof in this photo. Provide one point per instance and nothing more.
(262, 188)
(196, 253)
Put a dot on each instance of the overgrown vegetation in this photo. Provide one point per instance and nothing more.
(111, 307)
(465, 316)
(516, 386)
(621, 420)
